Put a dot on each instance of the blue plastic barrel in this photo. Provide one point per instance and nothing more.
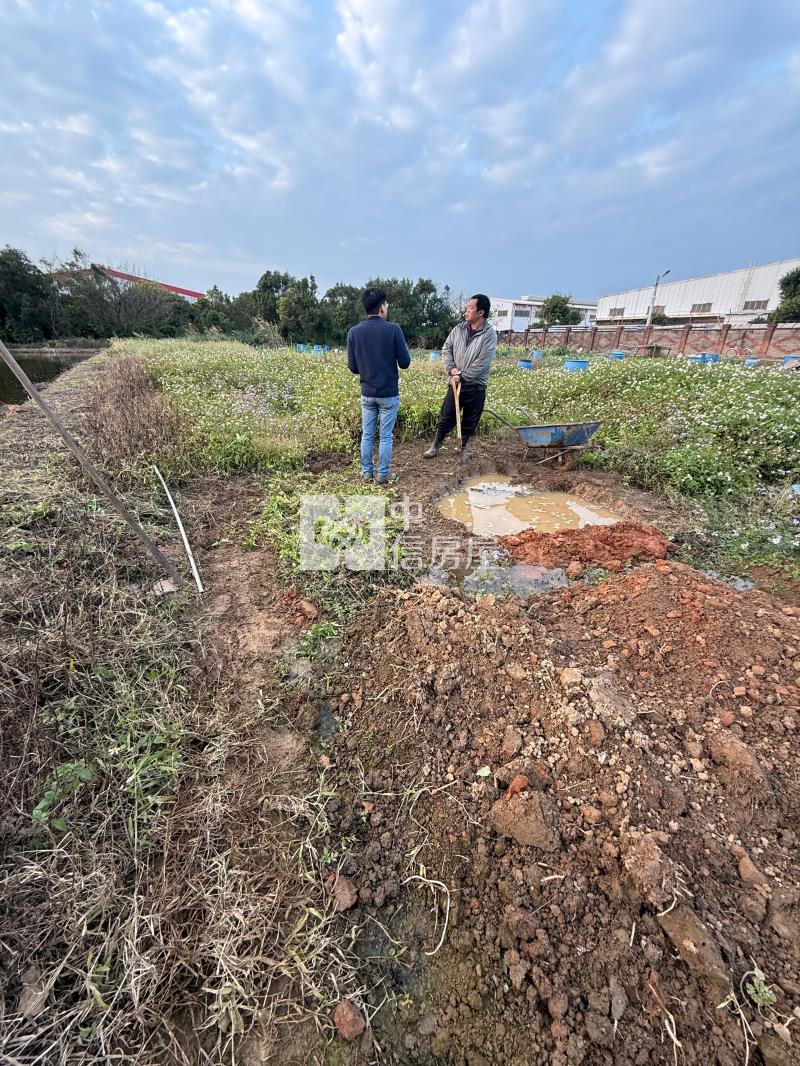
(616, 355)
(327, 347)
(535, 354)
(316, 348)
(750, 363)
(712, 357)
(573, 366)
(436, 355)
(525, 364)
(696, 359)
(790, 358)
(302, 347)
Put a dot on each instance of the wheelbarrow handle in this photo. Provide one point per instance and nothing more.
(500, 418)
(527, 413)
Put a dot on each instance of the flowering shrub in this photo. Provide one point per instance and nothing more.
(704, 431)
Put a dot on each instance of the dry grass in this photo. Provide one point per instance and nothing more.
(127, 421)
(167, 897)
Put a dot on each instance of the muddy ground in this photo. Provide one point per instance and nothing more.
(569, 823)
(603, 783)
(560, 829)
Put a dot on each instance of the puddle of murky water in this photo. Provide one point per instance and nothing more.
(741, 584)
(492, 506)
(516, 580)
(500, 580)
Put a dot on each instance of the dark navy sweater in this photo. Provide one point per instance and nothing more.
(375, 349)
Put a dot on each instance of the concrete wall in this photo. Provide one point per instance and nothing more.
(771, 342)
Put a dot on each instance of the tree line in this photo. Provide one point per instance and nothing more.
(77, 298)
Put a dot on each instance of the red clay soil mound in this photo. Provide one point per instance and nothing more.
(562, 849)
(695, 640)
(607, 546)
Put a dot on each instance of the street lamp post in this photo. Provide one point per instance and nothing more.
(653, 301)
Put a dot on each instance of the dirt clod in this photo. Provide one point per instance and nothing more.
(345, 893)
(527, 819)
(697, 947)
(34, 993)
(348, 1020)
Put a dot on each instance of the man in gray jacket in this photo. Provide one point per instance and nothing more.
(467, 354)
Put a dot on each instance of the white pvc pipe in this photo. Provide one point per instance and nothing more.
(182, 532)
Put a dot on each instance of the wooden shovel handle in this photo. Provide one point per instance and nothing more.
(456, 383)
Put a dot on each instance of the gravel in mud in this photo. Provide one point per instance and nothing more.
(599, 789)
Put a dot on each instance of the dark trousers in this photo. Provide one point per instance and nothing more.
(473, 397)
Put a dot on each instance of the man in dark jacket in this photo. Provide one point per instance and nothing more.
(467, 355)
(375, 349)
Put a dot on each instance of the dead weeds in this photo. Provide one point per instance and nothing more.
(162, 891)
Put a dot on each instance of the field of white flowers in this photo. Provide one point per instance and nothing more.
(716, 431)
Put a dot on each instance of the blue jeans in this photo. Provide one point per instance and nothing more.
(375, 409)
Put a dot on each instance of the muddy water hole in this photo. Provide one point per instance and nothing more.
(494, 505)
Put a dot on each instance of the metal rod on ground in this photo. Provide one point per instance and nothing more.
(456, 383)
(87, 465)
(181, 530)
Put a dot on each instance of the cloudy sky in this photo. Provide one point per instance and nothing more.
(507, 146)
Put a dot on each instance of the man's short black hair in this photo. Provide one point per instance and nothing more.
(373, 299)
(482, 303)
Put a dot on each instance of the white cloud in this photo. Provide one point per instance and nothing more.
(303, 128)
(79, 124)
(76, 226)
(154, 9)
(112, 164)
(15, 127)
(659, 161)
(191, 30)
(74, 177)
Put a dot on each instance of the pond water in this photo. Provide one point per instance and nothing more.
(39, 368)
(491, 505)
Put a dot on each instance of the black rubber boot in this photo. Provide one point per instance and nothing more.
(434, 449)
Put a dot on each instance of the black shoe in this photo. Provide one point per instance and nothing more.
(387, 479)
(432, 451)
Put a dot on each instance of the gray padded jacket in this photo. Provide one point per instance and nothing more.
(472, 358)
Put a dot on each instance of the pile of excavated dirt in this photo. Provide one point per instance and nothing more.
(600, 791)
(692, 639)
(607, 546)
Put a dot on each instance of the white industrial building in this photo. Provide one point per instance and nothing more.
(518, 315)
(737, 296)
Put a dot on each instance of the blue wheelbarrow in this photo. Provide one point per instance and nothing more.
(558, 443)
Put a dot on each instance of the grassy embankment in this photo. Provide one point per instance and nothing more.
(162, 888)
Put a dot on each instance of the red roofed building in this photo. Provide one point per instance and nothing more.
(190, 294)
